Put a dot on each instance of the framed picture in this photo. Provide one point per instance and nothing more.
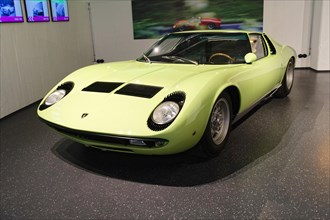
(37, 10)
(59, 9)
(11, 11)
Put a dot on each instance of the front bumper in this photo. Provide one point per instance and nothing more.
(108, 141)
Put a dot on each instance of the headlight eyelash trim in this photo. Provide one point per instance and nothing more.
(178, 97)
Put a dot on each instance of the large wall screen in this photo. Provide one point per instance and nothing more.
(152, 19)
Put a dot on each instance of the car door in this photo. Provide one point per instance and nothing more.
(260, 77)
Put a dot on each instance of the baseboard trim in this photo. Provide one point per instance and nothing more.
(310, 68)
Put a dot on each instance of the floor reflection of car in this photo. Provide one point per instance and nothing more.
(197, 23)
(7, 10)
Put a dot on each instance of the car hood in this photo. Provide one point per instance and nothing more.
(125, 112)
(164, 75)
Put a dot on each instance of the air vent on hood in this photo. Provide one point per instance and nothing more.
(102, 87)
(139, 90)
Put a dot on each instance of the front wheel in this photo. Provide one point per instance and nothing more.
(287, 81)
(218, 127)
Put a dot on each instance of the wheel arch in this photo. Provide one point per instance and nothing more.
(211, 148)
(294, 64)
(294, 59)
(235, 97)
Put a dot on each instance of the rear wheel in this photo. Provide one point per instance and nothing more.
(218, 127)
(287, 81)
(183, 28)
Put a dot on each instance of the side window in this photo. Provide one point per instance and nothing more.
(270, 44)
(258, 46)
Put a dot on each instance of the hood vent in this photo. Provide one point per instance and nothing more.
(105, 87)
(139, 90)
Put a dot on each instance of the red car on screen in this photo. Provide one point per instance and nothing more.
(197, 23)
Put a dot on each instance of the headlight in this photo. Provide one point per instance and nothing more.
(165, 113)
(60, 92)
(55, 97)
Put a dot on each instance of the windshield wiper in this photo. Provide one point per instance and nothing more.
(146, 58)
(181, 59)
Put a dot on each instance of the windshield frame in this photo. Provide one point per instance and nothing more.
(192, 46)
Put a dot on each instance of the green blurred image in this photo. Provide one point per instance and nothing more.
(152, 19)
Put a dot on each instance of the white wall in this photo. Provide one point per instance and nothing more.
(289, 22)
(113, 31)
(302, 24)
(35, 56)
(320, 36)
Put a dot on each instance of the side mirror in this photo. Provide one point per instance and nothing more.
(250, 58)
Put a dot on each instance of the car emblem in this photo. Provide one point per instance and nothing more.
(84, 115)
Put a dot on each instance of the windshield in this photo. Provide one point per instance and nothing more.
(199, 48)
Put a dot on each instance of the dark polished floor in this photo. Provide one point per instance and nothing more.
(275, 166)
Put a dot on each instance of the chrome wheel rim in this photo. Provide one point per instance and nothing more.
(220, 119)
(289, 76)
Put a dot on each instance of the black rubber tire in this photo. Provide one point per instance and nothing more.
(285, 90)
(211, 26)
(207, 143)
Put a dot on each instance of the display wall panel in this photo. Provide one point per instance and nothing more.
(11, 11)
(150, 23)
(37, 10)
(59, 10)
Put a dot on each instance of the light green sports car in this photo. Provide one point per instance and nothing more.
(185, 91)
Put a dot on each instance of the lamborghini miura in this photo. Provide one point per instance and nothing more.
(185, 91)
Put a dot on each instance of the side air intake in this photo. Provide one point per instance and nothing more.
(105, 87)
(142, 91)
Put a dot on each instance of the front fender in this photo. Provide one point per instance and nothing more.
(202, 91)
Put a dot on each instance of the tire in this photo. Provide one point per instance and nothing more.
(218, 127)
(210, 26)
(287, 81)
